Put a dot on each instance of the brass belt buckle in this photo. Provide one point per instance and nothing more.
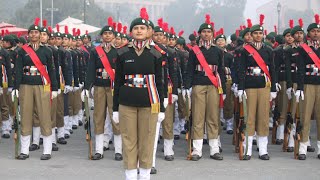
(138, 81)
(33, 70)
(104, 75)
(256, 71)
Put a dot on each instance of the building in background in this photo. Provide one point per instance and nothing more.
(290, 9)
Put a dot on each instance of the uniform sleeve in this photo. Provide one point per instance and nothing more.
(190, 70)
(277, 63)
(221, 71)
(301, 68)
(242, 70)
(91, 69)
(159, 83)
(52, 70)
(68, 59)
(64, 62)
(118, 81)
(173, 72)
(7, 64)
(288, 68)
(272, 72)
(75, 61)
(18, 70)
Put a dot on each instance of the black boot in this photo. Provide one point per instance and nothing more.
(302, 157)
(97, 156)
(246, 157)
(153, 170)
(176, 137)
(310, 149)
(118, 157)
(230, 132)
(80, 123)
(45, 156)
(34, 147)
(41, 141)
(290, 149)
(106, 148)
(23, 156)
(61, 141)
(6, 136)
(71, 131)
(169, 158)
(254, 142)
(220, 149)
(217, 156)
(55, 147)
(67, 136)
(264, 157)
(195, 157)
(279, 141)
(74, 127)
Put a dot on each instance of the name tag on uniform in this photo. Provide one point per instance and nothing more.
(295, 54)
(129, 61)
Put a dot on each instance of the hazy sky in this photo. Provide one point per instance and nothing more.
(251, 8)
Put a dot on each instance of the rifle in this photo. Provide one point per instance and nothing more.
(298, 132)
(188, 128)
(87, 127)
(16, 127)
(276, 116)
(288, 128)
(237, 119)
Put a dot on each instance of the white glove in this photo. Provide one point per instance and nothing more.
(273, 95)
(67, 89)
(76, 89)
(174, 98)
(115, 117)
(289, 93)
(9, 90)
(54, 94)
(224, 96)
(278, 87)
(165, 102)
(1, 90)
(81, 85)
(179, 91)
(59, 91)
(84, 93)
(234, 88)
(242, 94)
(92, 91)
(14, 93)
(161, 117)
(299, 94)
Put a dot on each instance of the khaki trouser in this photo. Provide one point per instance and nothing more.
(167, 123)
(102, 100)
(138, 128)
(54, 112)
(294, 103)
(205, 109)
(5, 105)
(258, 107)
(228, 107)
(311, 101)
(33, 96)
(73, 102)
(182, 109)
(60, 110)
(283, 102)
(10, 104)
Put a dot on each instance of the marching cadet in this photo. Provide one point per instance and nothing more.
(35, 78)
(100, 77)
(63, 74)
(292, 53)
(205, 75)
(221, 41)
(118, 36)
(138, 99)
(281, 85)
(256, 79)
(9, 53)
(308, 81)
(125, 38)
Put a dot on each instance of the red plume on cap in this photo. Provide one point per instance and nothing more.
(275, 29)
(212, 24)
(78, 32)
(180, 33)
(119, 27)
(44, 23)
(241, 28)
(125, 29)
(50, 29)
(249, 23)
(36, 21)
(291, 23)
(237, 32)
(147, 16)
(66, 30)
(165, 27)
(194, 33)
(261, 19)
(87, 32)
(2, 32)
(110, 21)
(300, 22)
(7, 31)
(114, 25)
(160, 22)
(208, 21)
(58, 27)
(172, 31)
(265, 32)
(19, 34)
(317, 18)
(73, 31)
(143, 13)
(222, 31)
